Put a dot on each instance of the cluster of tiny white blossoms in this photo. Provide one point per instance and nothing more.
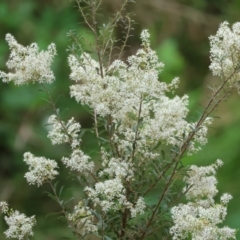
(116, 167)
(79, 162)
(110, 194)
(132, 91)
(20, 226)
(199, 218)
(40, 169)
(82, 219)
(203, 183)
(64, 132)
(225, 52)
(28, 64)
(139, 207)
(4, 207)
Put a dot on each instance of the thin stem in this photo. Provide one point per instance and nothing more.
(114, 146)
(158, 179)
(95, 32)
(126, 37)
(137, 127)
(124, 218)
(84, 15)
(102, 230)
(96, 124)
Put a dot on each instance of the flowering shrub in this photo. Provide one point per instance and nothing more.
(142, 133)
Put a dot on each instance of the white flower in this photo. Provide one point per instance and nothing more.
(79, 162)
(200, 223)
(40, 169)
(4, 207)
(139, 207)
(116, 167)
(145, 36)
(225, 198)
(64, 132)
(110, 194)
(28, 63)
(83, 68)
(202, 182)
(20, 226)
(225, 52)
(82, 219)
(199, 218)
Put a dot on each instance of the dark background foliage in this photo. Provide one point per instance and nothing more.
(179, 33)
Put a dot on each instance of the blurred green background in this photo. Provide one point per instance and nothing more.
(179, 33)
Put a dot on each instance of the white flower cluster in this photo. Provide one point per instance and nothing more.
(28, 63)
(69, 132)
(225, 52)
(131, 92)
(20, 226)
(116, 167)
(4, 207)
(40, 169)
(82, 219)
(110, 194)
(64, 132)
(79, 162)
(199, 218)
(203, 183)
(139, 207)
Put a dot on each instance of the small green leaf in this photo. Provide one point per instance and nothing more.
(55, 185)
(163, 153)
(107, 238)
(52, 196)
(157, 145)
(152, 198)
(132, 116)
(53, 214)
(60, 192)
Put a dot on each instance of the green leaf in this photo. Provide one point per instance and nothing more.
(60, 192)
(55, 185)
(132, 116)
(163, 153)
(103, 139)
(82, 132)
(107, 238)
(53, 214)
(157, 145)
(152, 198)
(52, 196)
(62, 218)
